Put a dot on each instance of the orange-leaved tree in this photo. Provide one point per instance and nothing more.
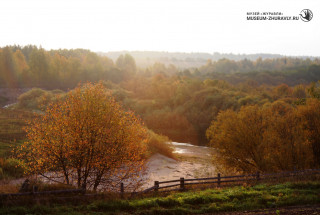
(275, 137)
(86, 139)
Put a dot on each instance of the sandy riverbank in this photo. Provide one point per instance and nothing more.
(192, 162)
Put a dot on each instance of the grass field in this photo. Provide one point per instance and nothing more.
(11, 129)
(11, 136)
(197, 202)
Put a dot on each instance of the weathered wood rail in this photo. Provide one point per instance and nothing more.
(43, 193)
(179, 184)
(182, 183)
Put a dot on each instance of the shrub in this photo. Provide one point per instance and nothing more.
(158, 144)
(28, 99)
(36, 97)
(11, 168)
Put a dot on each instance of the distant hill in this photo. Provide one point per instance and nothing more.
(186, 60)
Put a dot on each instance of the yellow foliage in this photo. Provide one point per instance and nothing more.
(274, 137)
(87, 139)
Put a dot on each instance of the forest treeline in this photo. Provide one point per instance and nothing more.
(32, 66)
(177, 103)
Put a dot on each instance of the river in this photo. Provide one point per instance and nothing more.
(192, 162)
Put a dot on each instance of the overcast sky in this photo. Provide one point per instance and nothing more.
(163, 25)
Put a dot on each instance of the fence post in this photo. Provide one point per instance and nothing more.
(156, 184)
(258, 176)
(182, 183)
(219, 179)
(83, 191)
(84, 188)
(121, 189)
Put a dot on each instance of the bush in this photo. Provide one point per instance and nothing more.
(36, 97)
(158, 144)
(11, 168)
(43, 186)
(28, 99)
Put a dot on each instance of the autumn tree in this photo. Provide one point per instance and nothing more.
(237, 138)
(310, 114)
(314, 90)
(274, 137)
(21, 66)
(285, 139)
(7, 68)
(86, 139)
(39, 67)
(299, 92)
(127, 64)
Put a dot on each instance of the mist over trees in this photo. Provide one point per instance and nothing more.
(186, 60)
(32, 66)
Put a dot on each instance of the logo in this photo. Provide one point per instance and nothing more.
(306, 15)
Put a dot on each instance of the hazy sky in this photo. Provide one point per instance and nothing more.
(163, 25)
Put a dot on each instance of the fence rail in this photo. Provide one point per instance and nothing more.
(180, 184)
(53, 192)
(219, 180)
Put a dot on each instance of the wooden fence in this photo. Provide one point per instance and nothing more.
(43, 193)
(183, 183)
(45, 197)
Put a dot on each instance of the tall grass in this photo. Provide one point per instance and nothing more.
(158, 144)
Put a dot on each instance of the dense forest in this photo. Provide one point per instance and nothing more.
(179, 103)
(30, 66)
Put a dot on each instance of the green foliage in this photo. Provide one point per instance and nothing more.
(38, 99)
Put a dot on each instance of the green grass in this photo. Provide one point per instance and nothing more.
(205, 201)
